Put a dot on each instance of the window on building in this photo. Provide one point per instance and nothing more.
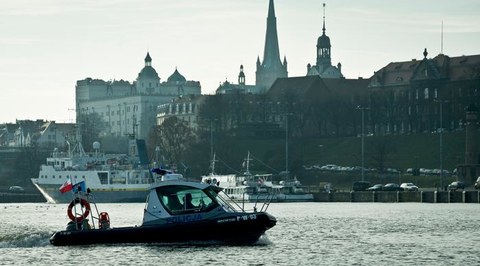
(425, 93)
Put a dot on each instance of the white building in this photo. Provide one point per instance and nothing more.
(131, 108)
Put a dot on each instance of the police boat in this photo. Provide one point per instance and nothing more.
(176, 210)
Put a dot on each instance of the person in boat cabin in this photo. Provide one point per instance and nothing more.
(188, 202)
(174, 204)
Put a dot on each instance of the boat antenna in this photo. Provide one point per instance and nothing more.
(212, 165)
(247, 164)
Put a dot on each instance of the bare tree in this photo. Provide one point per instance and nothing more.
(173, 137)
(381, 151)
(90, 127)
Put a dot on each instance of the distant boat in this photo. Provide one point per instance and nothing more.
(259, 187)
(112, 177)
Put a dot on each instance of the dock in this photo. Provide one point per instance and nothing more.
(400, 196)
(21, 198)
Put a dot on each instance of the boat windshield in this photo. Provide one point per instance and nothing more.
(185, 199)
(222, 200)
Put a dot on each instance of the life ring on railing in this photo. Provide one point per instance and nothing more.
(84, 204)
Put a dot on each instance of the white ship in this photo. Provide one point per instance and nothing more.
(257, 188)
(112, 177)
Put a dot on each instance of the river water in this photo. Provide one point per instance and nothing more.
(306, 234)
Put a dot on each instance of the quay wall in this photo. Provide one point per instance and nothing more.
(21, 198)
(399, 196)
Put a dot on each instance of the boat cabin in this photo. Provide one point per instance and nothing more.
(187, 200)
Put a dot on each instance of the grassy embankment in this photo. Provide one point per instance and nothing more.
(400, 152)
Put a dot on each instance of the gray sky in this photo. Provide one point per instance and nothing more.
(46, 46)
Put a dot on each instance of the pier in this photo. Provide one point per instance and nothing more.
(400, 196)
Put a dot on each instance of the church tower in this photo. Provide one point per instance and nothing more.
(324, 59)
(324, 67)
(271, 67)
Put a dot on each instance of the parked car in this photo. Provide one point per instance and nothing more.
(392, 187)
(409, 187)
(376, 187)
(456, 185)
(360, 185)
(16, 189)
(477, 183)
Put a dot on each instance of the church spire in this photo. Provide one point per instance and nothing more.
(323, 29)
(271, 53)
(148, 60)
(324, 60)
(271, 67)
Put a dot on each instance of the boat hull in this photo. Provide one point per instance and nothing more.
(234, 229)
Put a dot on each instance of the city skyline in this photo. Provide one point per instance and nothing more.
(46, 47)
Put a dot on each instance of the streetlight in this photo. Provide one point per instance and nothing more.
(363, 139)
(157, 153)
(286, 145)
(441, 102)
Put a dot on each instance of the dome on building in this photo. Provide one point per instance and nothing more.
(148, 72)
(323, 41)
(176, 77)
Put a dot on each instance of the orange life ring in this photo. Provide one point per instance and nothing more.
(84, 203)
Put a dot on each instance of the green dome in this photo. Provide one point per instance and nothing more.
(323, 41)
(176, 77)
(148, 72)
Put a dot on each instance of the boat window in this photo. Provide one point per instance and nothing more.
(103, 176)
(221, 198)
(184, 199)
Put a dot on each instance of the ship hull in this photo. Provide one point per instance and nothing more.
(272, 197)
(52, 194)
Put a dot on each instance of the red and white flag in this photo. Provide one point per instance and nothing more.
(67, 186)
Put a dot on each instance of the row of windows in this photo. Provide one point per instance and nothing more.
(60, 177)
(428, 93)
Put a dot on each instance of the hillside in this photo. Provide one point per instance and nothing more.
(398, 151)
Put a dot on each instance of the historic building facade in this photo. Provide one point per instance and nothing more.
(423, 95)
(131, 108)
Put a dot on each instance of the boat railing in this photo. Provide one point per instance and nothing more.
(265, 202)
(82, 224)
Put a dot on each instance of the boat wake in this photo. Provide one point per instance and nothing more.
(263, 241)
(25, 239)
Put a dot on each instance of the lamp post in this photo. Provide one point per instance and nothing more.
(157, 153)
(363, 139)
(286, 146)
(441, 102)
